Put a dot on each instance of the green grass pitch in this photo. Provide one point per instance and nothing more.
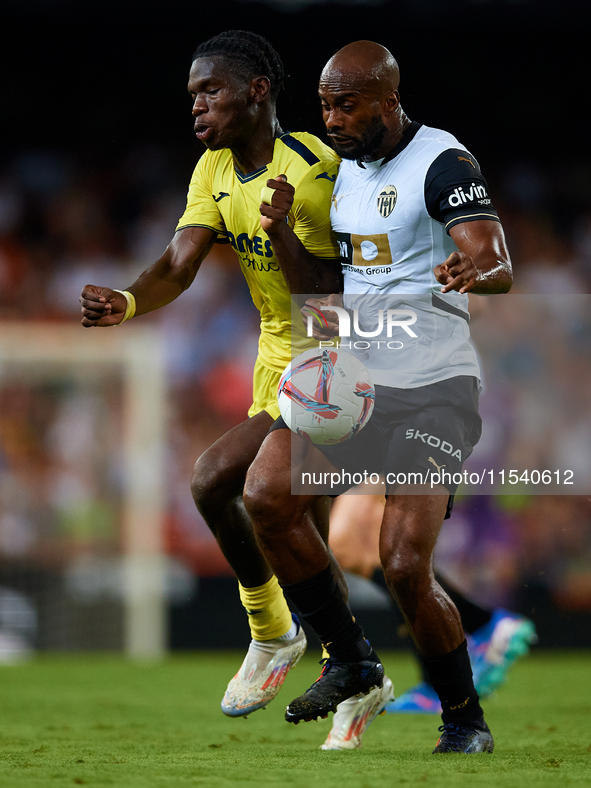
(102, 721)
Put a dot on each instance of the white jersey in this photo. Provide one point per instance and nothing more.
(392, 218)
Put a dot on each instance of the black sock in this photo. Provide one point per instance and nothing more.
(473, 616)
(321, 605)
(451, 677)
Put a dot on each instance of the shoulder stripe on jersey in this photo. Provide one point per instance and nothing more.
(440, 303)
(299, 147)
(469, 217)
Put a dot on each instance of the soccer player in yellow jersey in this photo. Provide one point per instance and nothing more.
(224, 200)
(238, 194)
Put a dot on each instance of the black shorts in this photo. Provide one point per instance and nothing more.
(413, 436)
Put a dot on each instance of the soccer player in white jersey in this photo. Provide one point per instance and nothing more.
(415, 222)
(234, 81)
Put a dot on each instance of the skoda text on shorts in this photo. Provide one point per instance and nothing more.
(400, 339)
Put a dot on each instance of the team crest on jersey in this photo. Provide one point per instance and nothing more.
(387, 200)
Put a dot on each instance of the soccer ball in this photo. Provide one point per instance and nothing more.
(326, 395)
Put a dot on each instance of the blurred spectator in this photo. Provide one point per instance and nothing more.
(66, 220)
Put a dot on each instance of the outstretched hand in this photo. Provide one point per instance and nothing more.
(276, 202)
(102, 306)
(458, 272)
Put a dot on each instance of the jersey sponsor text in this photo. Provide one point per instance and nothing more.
(459, 196)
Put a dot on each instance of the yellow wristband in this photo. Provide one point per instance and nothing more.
(130, 311)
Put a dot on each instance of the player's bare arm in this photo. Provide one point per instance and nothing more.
(303, 272)
(481, 265)
(160, 284)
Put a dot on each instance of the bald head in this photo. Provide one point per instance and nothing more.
(360, 102)
(363, 64)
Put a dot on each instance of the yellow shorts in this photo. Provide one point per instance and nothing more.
(264, 390)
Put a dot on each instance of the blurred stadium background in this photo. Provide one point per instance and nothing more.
(100, 544)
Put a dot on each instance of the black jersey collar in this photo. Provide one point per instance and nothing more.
(407, 137)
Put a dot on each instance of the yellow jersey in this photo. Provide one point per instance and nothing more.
(226, 201)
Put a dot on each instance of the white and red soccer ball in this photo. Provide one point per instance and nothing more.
(326, 395)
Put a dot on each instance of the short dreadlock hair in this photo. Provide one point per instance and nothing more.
(248, 55)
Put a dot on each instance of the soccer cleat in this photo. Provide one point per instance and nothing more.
(496, 646)
(421, 699)
(337, 682)
(464, 738)
(262, 673)
(354, 715)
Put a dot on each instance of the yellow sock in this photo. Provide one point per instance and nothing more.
(268, 614)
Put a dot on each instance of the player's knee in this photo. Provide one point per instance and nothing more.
(405, 569)
(264, 500)
(201, 482)
(211, 482)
